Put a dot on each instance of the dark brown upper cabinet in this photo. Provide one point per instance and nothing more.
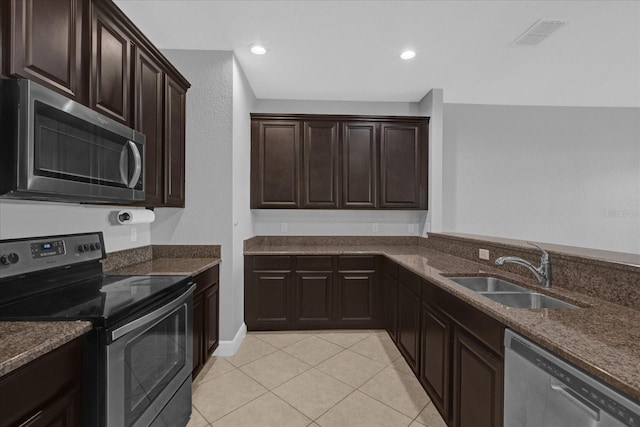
(174, 144)
(89, 51)
(149, 105)
(320, 165)
(111, 48)
(346, 162)
(275, 164)
(359, 164)
(47, 44)
(402, 166)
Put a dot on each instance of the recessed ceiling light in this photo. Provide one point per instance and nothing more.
(258, 49)
(407, 54)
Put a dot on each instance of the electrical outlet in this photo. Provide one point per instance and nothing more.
(483, 254)
(284, 227)
(374, 227)
(134, 234)
(412, 228)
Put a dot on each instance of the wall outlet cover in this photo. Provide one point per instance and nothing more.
(374, 227)
(134, 234)
(483, 254)
(284, 227)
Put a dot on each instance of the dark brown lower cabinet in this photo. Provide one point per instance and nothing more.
(312, 292)
(409, 325)
(205, 316)
(477, 383)
(435, 354)
(45, 392)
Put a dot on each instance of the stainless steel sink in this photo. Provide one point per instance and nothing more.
(527, 300)
(487, 284)
(509, 294)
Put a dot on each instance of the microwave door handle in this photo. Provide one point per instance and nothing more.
(124, 164)
(137, 159)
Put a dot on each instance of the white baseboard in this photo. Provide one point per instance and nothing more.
(229, 348)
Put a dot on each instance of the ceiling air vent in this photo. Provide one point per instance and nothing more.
(538, 32)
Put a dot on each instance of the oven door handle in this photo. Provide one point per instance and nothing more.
(158, 314)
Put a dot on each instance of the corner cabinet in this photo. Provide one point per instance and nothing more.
(206, 308)
(89, 51)
(344, 162)
(45, 392)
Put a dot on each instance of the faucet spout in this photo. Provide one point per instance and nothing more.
(542, 273)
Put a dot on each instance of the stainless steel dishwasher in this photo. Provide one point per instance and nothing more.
(542, 390)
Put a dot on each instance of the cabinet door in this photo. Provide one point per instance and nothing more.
(269, 300)
(359, 165)
(211, 319)
(174, 143)
(47, 44)
(409, 325)
(356, 296)
(435, 355)
(149, 87)
(320, 165)
(313, 296)
(391, 305)
(198, 334)
(477, 383)
(275, 154)
(110, 88)
(401, 172)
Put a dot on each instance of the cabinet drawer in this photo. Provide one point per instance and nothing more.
(271, 262)
(36, 385)
(409, 280)
(357, 263)
(314, 263)
(207, 278)
(390, 268)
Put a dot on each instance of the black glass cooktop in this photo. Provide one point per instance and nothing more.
(104, 300)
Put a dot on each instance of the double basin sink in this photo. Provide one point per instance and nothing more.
(508, 294)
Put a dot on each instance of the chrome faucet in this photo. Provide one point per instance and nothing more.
(542, 273)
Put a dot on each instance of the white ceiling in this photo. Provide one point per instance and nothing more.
(349, 50)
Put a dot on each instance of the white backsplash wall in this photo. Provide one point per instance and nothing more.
(312, 222)
(23, 218)
(565, 175)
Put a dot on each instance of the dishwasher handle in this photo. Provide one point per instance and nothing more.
(575, 398)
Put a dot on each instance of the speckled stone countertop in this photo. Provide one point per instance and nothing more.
(23, 342)
(163, 259)
(600, 337)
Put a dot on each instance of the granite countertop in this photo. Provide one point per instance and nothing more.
(23, 342)
(170, 266)
(600, 337)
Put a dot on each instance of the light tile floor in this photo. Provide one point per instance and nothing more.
(316, 378)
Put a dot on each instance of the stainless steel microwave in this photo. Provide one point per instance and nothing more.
(53, 148)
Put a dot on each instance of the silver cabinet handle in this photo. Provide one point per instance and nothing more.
(137, 160)
(574, 398)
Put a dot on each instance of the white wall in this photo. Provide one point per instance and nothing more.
(22, 218)
(243, 102)
(553, 174)
(432, 106)
(337, 222)
(208, 214)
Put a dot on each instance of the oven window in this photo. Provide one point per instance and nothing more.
(69, 148)
(151, 361)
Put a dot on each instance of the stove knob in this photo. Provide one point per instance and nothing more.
(98, 246)
(80, 248)
(85, 247)
(4, 260)
(13, 257)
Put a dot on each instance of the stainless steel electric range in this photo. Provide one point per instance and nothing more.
(138, 357)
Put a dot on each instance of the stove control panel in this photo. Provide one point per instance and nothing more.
(23, 256)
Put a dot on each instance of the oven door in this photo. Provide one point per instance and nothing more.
(149, 361)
